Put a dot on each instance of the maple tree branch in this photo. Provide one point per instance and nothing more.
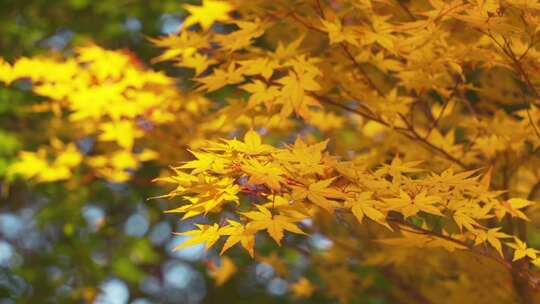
(292, 13)
(428, 232)
(404, 131)
(406, 10)
(524, 289)
(319, 7)
(346, 50)
(519, 162)
(510, 54)
(415, 134)
(369, 116)
(398, 282)
(523, 264)
(534, 191)
(533, 43)
(406, 288)
(389, 274)
(361, 70)
(520, 68)
(468, 105)
(520, 284)
(309, 26)
(524, 274)
(419, 138)
(507, 50)
(531, 122)
(435, 123)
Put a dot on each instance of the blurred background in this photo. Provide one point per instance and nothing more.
(105, 243)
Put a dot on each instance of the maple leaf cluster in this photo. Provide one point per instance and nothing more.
(275, 189)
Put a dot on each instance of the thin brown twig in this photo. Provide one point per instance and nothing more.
(361, 70)
(507, 50)
(445, 105)
(319, 7)
(419, 138)
(408, 132)
(345, 49)
(369, 116)
(406, 10)
(531, 121)
(533, 281)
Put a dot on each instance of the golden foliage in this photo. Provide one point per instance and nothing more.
(431, 109)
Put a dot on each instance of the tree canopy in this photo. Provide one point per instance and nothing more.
(319, 151)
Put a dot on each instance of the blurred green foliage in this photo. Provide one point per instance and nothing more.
(26, 27)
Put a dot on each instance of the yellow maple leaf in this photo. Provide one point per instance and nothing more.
(304, 158)
(465, 220)
(363, 205)
(259, 66)
(223, 272)
(124, 132)
(38, 165)
(206, 161)
(208, 234)
(492, 237)
(318, 193)
(211, 192)
(380, 32)
(5, 72)
(221, 77)
(284, 52)
(411, 206)
(181, 47)
(521, 250)
(243, 37)
(198, 62)
(261, 93)
(237, 233)
(512, 207)
(295, 85)
(339, 33)
(274, 224)
(267, 174)
(206, 14)
(252, 144)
